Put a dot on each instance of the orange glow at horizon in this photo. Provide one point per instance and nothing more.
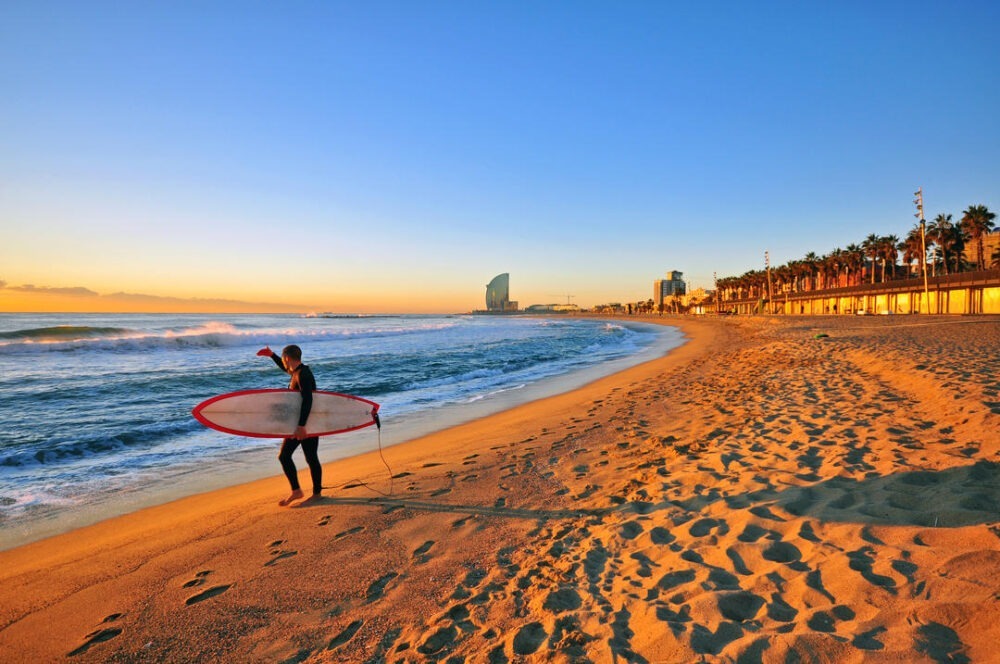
(14, 300)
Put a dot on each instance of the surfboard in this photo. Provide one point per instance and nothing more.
(275, 413)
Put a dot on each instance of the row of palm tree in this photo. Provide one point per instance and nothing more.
(875, 259)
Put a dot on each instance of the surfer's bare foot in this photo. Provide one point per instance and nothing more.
(311, 500)
(296, 495)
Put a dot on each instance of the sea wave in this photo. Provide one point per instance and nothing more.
(210, 335)
(98, 445)
(62, 333)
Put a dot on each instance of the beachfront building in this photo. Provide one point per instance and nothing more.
(552, 309)
(498, 295)
(991, 251)
(665, 290)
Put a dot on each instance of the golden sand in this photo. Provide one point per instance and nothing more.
(763, 493)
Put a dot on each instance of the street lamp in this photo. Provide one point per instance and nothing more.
(919, 200)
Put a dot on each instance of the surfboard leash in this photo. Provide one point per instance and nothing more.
(359, 482)
(378, 426)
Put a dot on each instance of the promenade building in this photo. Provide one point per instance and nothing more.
(665, 289)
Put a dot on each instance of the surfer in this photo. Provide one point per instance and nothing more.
(303, 381)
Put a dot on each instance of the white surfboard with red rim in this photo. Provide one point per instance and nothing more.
(275, 413)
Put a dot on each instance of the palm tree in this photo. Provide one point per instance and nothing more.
(871, 249)
(811, 265)
(913, 249)
(956, 241)
(942, 233)
(854, 257)
(977, 221)
(887, 252)
(834, 261)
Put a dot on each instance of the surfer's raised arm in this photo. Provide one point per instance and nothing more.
(267, 352)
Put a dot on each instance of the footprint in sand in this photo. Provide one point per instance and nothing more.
(564, 599)
(279, 555)
(461, 522)
(780, 610)
(867, 640)
(661, 536)
(420, 553)
(94, 638)
(630, 530)
(752, 533)
(377, 588)
(941, 643)
(529, 638)
(345, 635)
(739, 565)
(199, 579)
(325, 521)
(703, 527)
(782, 552)
(346, 533)
(438, 641)
(214, 591)
(740, 606)
(822, 621)
(706, 642)
(863, 562)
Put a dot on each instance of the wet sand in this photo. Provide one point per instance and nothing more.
(763, 493)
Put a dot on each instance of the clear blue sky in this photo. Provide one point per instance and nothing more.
(366, 155)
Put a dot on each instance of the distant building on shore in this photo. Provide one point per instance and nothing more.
(498, 295)
(665, 289)
(552, 309)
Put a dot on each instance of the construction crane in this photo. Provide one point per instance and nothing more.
(565, 295)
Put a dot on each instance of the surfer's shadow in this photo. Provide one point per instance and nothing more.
(390, 504)
(948, 498)
(954, 497)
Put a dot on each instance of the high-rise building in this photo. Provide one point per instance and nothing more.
(664, 289)
(498, 293)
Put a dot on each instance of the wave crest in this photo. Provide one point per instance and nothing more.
(211, 334)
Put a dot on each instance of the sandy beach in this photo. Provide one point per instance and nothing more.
(775, 490)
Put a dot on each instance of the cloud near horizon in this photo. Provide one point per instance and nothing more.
(142, 300)
(73, 291)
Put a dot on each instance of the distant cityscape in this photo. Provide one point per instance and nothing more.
(498, 301)
(669, 295)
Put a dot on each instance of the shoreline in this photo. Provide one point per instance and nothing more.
(246, 466)
(757, 490)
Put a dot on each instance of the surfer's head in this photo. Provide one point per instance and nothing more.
(292, 352)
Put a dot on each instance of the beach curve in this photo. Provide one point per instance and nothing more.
(762, 491)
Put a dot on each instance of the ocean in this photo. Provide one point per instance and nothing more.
(96, 408)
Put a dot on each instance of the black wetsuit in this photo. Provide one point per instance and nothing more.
(303, 381)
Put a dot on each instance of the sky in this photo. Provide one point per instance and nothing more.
(396, 156)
